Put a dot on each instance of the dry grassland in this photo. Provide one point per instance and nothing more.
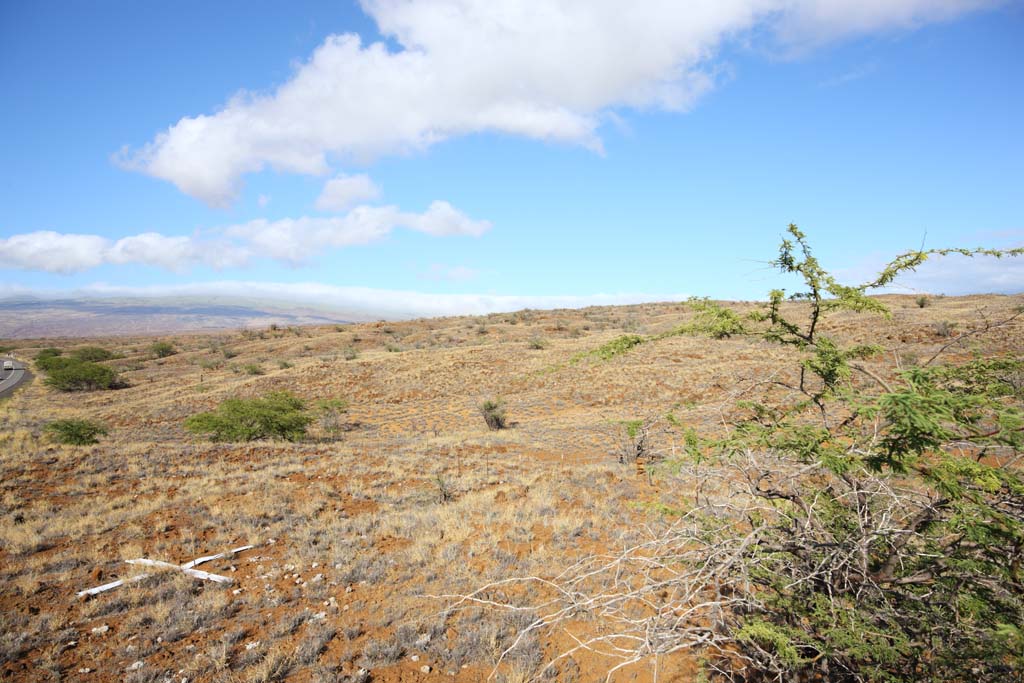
(358, 530)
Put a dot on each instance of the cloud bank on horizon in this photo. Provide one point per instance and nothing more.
(360, 302)
(547, 71)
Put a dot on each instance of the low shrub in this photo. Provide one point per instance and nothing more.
(493, 411)
(163, 349)
(92, 354)
(75, 432)
(537, 344)
(70, 374)
(279, 415)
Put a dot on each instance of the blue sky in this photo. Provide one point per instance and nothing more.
(489, 155)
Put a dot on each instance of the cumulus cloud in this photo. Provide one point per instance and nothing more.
(344, 191)
(296, 240)
(290, 240)
(548, 71)
(55, 252)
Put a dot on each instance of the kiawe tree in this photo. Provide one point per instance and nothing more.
(867, 526)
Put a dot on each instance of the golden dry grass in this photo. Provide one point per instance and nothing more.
(351, 527)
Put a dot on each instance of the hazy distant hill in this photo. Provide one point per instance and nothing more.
(24, 317)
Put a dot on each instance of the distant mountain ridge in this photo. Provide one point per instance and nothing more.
(24, 317)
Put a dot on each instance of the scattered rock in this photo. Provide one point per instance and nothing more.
(252, 645)
(415, 658)
(100, 630)
(136, 666)
(85, 670)
(425, 668)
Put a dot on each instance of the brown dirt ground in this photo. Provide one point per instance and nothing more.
(353, 540)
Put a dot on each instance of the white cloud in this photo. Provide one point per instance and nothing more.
(263, 200)
(52, 251)
(55, 252)
(953, 275)
(344, 191)
(290, 240)
(548, 71)
(297, 240)
(359, 303)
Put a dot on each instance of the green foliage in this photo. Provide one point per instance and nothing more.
(712, 320)
(536, 344)
(253, 369)
(922, 301)
(45, 356)
(615, 347)
(75, 432)
(279, 415)
(493, 411)
(162, 349)
(350, 353)
(92, 354)
(70, 374)
(896, 554)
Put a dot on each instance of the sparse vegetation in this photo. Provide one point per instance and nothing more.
(841, 522)
(416, 500)
(922, 301)
(253, 369)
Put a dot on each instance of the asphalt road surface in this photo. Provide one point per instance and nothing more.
(11, 379)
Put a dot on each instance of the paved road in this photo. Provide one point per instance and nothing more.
(11, 379)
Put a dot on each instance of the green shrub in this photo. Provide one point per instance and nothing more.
(75, 432)
(279, 415)
(537, 344)
(44, 359)
(252, 369)
(493, 411)
(71, 374)
(350, 353)
(922, 301)
(92, 354)
(616, 347)
(162, 349)
(284, 365)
